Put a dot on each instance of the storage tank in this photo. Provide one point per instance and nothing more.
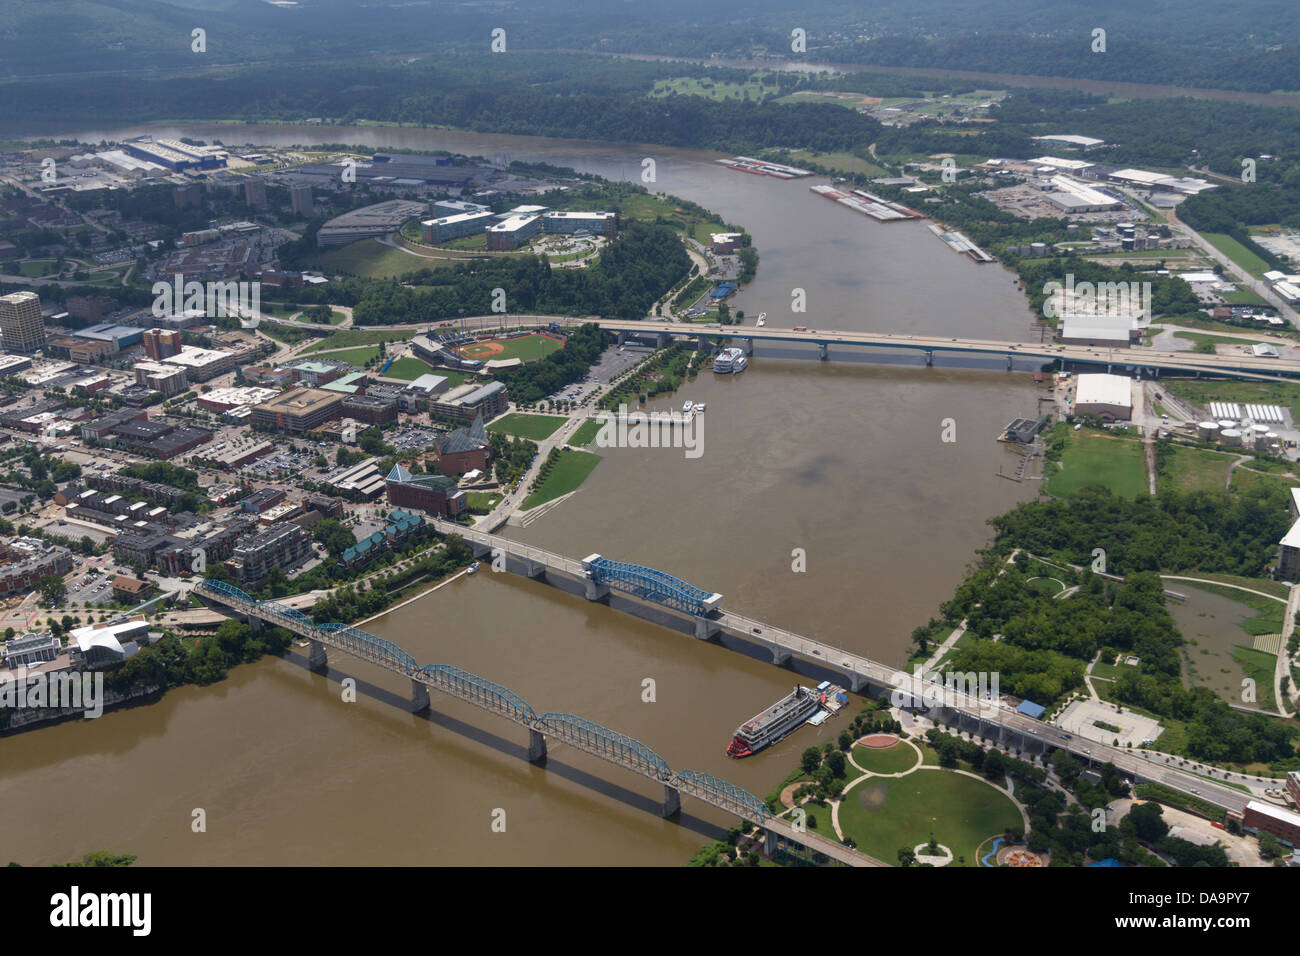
(1259, 429)
(1231, 436)
(1208, 430)
(1261, 443)
(1227, 423)
(1040, 248)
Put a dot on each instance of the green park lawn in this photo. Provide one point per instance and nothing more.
(586, 434)
(536, 427)
(407, 369)
(1093, 457)
(884, 816)
(895, 759)
(351, 338)
(570, 471)
(1238, 253)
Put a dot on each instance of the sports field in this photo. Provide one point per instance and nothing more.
(530, 348)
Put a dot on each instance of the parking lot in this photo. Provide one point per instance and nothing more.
(1080, 717)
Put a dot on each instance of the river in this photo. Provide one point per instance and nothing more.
(844, 460)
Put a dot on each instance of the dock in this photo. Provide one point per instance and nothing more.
(869, 204)
(959, 243)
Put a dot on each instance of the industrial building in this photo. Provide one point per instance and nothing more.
(1074, 197)
(1107, 396)
(298, 410)
(175, 155)
(1106, 331)
(22, 328)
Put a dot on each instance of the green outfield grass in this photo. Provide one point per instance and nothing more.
(536, 427)
(884, 816)
(1099, 458)
(408, 369)
(529, 348)
(569, 472)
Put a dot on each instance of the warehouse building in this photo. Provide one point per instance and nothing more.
(1107, 396)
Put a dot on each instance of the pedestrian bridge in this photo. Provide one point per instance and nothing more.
(578, 732)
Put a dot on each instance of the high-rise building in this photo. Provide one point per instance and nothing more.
(161, 343)
(22, 327)
(255, 193)
(300, 200)
(191, 194)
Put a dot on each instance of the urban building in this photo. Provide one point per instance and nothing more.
(463, 450)
(372, 411)
(1283, 824)
(191, 194)
(455, 226)
(280, 546)
(300, 201)
(513, 232)
(24, 561)
(466, 401)
(30, 649)
(262, 500)
(255, 193)
(567, 223)
(127, 588)
(161, 377)
(22, 328)
(359, 482)
(402, 526)
(433, 494)
(202, 364)
(298, 410)
(161, 343)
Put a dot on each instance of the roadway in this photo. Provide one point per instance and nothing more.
(1243, 366)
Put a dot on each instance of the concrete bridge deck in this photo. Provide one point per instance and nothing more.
(1155, 360)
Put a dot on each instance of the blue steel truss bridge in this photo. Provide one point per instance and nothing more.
(578, 732)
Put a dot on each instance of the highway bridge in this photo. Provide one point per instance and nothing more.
(1150, 361)
(581, 734)
(667, 600)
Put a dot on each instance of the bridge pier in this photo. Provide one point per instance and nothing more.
(823, 351)
(317, 660)
(672, 802)
(255, 624)
(536, 746)
(534, 569)
(622, 338)
(1008, 363)
(929, 358)
(705, 628)
(664, 340)
(702, 345)
(596, 592)
(749, 345)
(780, 655)
(769, 843)
(419, 697)
(856, 681)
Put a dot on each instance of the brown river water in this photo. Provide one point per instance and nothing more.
(843, 459)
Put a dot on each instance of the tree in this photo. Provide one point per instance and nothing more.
(835, 762)
(1148, 822)
(336, 538)
(906, 857)
(52, 589)
(811, 760)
